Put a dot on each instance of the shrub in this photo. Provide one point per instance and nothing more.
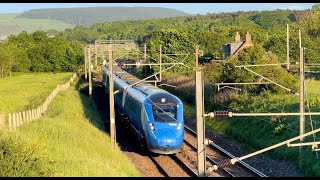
(18, 159)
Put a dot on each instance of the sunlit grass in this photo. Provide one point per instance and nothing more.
(68, 142)
(26, 91)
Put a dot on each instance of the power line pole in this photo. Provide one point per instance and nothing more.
(111, 100)
(96, 52)
(85, 62)
(288, 65)
(90, 80)
(145, 52)
(301, 94)
(160, 54)
(201, 155)
(138, 53)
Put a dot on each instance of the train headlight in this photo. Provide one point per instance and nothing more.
(163, 100)
(151, 126)
(179, 126)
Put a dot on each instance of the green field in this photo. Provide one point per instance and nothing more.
(24, 92)
(9, 24)
(69, 140)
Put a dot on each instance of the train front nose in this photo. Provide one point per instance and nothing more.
(168, 139)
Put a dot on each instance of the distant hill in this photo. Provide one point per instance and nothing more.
(90, 15)
(10, 24)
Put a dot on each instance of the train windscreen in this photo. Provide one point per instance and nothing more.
(164, 112)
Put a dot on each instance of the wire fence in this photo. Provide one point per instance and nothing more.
(16, 119)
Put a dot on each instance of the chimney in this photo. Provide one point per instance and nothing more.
(248, 38)
(237, 37)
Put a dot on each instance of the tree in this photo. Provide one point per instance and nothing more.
(315, 7)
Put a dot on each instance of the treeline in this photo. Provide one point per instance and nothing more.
(37, 52)
(91, 15)
(180, 35)
(212, 31)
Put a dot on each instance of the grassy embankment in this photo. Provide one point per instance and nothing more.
(259, 132)
(9, 24)
(69, 140)
(26, 91)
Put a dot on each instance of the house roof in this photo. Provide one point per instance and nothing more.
(235, 46)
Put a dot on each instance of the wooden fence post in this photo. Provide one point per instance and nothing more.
(32, 114)
(38, 113)
(20, 117)
(27, 116)
(45, 105)
(2, 120)
(10, 121)
(14, 123)
(24, 116)
(17, 120)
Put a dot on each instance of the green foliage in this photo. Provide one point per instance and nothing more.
(229, 73)
(37, 52)
(316, 7)
(269, 19)
(173, 42)
(18, 159)
(279, 129)
(84, 88)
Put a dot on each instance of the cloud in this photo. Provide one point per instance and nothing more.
(293, 7)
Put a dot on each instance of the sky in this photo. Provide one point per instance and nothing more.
(192, 8)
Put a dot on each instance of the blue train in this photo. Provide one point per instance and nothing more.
(155, 116)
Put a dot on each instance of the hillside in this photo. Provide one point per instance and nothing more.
(91, 15)
(69, 140)
(11, 24)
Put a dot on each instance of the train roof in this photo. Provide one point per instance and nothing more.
(143, 87)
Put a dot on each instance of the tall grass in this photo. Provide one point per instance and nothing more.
(66, 143)
(259, 132)
(26, 91)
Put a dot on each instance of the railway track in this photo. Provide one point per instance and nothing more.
(172, 166)
(215, 154)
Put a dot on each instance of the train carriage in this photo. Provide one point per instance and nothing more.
(155, 115)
